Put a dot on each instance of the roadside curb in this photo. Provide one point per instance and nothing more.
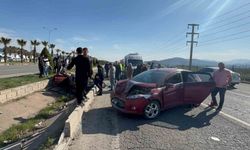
(21, 91)
(247, 82)
(38, 138)
(74, 122)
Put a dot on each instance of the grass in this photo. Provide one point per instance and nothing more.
(19, 131)
(47, 145)
(6, 83)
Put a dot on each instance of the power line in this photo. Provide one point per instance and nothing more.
(221, 21)
(227, 36)
(177, 51)
(237, 38)
(227, 23)
(173, 40)
(233, 10)
(205, 35)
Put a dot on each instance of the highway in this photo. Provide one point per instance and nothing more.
(17, 70)
(178, 128)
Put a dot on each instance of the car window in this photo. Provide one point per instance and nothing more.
(174, 79)
(152, 76)
(206, 70)
(196, 77)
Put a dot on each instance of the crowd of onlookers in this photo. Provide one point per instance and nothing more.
(45, 66)
(113, 71)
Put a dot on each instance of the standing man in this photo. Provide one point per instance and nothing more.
(112, 76)
(83, 71)
(222, 79)
(99, 77)
(40, 66)
(106, 67)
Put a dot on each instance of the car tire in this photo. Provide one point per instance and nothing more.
(152, 110)
(232, 85)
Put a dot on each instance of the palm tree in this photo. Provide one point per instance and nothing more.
(45, 43)
(52, 46)
(22, 43)
(63, 54)
(57, 51)
(34, 43)
(5, 42)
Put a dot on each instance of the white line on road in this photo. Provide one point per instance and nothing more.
(229, 116)
(243, 95)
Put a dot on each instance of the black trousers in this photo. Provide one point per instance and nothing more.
(40, 70)
(81, 87)
(222, 92)
(98, 83)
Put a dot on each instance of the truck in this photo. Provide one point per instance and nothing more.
(134, 58)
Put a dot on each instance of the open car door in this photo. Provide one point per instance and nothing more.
(197, 86)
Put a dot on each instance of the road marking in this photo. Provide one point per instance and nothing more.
(229, 116)
(239, 94)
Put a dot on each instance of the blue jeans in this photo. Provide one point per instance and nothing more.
(46, 71)
(222, 92)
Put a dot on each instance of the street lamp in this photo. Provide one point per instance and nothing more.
(49, 30)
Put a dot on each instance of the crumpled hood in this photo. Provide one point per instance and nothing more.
(124, 86)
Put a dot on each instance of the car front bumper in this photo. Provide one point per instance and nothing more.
(135, 106)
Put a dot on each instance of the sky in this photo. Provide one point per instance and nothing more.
(156, 29)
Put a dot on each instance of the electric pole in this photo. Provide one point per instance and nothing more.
(193, 33)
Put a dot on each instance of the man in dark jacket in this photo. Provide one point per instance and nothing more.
(40, 66)
(83, 71)
(99, 77)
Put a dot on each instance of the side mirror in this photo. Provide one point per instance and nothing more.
(169, 85)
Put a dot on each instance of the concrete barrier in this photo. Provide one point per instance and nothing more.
(17, 92)
(74, 123)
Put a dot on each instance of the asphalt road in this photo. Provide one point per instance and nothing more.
(16, 70)
(177, 128)
(237, 102)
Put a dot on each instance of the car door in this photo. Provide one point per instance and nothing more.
(173, 91)
(197, 86)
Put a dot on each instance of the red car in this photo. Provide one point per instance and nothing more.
(155, 90)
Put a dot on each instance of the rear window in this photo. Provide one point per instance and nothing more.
(206, 70)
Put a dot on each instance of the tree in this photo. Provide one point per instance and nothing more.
(45, 52)
(5, 42)
(34, 43)
(22, 43)
(57, 51)
(45, 43)
(52, 46)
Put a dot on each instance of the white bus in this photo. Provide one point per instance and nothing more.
(133, 58)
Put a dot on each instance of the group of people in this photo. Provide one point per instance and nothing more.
(117, 71)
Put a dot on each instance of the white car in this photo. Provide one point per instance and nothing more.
(235, 76)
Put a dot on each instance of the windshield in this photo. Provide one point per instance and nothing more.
(135, 62)
(152, 76)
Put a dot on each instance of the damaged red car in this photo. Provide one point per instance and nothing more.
(155, 90)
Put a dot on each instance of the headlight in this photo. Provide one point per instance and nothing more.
(146, 96)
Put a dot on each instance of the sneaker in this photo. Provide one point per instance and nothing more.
(99, 94)
(213, 104)
(218, 109)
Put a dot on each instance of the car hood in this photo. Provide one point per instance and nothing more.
(124, 86)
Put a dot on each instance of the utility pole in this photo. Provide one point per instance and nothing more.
(193, 33)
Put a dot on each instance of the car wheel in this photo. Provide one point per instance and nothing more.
(152, 110)
(232, 85)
